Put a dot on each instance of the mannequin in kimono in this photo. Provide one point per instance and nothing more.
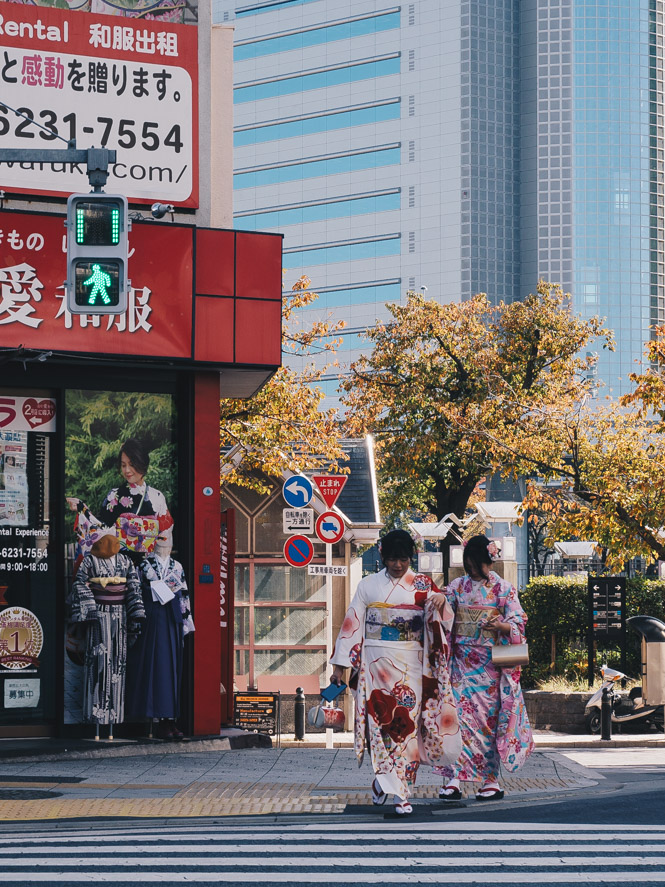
(106, 599)
(155, 663)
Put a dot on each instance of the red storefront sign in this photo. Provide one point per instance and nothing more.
(122, 83)
(201, 296)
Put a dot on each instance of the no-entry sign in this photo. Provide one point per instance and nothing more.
(298, 551)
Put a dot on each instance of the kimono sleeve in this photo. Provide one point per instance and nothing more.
(514, 614)
(185, 606)
(348, 645)
(82, 604)
(133, 598)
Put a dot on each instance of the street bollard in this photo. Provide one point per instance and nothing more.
(299, 714)
(606, 715)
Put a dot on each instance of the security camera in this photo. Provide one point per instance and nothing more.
(159, 210)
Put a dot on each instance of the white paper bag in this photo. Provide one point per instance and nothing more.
(161, 592)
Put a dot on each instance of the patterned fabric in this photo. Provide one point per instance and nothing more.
(405, 709)
(109, 629)
(495, 726)
(386, 623)
(138, 513)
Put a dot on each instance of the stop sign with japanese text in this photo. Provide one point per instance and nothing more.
(330, 486)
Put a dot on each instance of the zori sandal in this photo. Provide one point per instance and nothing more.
(490, 793)
(378, 796)
(403, 808)
(450, 793)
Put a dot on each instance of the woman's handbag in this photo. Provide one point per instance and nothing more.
(330, 718)
(510, 655)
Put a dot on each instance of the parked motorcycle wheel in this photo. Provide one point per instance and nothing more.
(592, 721)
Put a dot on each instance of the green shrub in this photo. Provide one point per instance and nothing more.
(558, 606)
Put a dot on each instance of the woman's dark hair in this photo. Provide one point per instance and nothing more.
(136, 453)
(476, 554)
(397, 543)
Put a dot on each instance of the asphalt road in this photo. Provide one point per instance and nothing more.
(612, 833)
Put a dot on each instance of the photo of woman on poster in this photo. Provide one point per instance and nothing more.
(138, 511)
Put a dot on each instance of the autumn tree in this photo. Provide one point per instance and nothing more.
(437, 373)
(283, 426)
(598, 466)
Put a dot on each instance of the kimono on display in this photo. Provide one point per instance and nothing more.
(155, 661)
(394, 640)
(106, 600)
(492, 711)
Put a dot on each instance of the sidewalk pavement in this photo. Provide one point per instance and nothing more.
(196, 780)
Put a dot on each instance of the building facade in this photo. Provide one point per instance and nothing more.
(457, 146)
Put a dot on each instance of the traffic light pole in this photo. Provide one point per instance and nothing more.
(97, 160)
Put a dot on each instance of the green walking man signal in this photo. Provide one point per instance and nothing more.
(100, 282)
(97, 248)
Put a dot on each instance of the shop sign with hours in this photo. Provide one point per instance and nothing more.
(128, 85)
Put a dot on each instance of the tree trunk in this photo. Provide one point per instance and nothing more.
(452, 501)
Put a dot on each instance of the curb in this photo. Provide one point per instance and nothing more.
(231, 741)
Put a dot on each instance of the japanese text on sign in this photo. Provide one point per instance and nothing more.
(140, 76)
(298, 520)
(326, 570)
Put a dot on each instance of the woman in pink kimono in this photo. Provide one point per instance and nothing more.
(394, 640)
(495, 726)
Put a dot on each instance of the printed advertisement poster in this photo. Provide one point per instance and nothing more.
(13, 479)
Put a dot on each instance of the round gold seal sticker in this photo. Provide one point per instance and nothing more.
(21, 638)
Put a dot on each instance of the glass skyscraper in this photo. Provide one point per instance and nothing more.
(457, 146)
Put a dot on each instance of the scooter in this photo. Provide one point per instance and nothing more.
(625, 708)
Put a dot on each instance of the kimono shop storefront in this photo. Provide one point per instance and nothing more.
(109, 436)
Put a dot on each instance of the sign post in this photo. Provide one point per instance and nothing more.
(606, 616)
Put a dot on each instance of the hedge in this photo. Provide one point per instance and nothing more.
(558, 607)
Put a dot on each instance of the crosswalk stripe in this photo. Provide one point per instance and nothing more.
(445, 862)
(379, 877)
(318, 848)
(522, 836)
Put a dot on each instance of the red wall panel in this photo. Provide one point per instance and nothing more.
(214, 329)
(258, 331)
(215, 262)
(258, 266)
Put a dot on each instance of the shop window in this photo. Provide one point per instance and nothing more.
(279, 620)
(28, 605)
(268, 528)
(134, 498)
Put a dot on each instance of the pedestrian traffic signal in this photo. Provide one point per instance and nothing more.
(97, 248)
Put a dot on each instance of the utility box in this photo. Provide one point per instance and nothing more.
(653, 657)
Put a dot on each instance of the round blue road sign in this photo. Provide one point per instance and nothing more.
(297, 491)
(298, 551)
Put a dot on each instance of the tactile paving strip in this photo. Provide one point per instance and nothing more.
(218, 799)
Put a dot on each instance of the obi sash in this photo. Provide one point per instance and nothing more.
(468, 619)
(400, 623)
(108, 592)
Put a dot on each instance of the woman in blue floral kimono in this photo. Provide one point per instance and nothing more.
(394, 640)
(495, 726)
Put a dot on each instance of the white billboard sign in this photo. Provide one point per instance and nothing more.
(129, 86)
